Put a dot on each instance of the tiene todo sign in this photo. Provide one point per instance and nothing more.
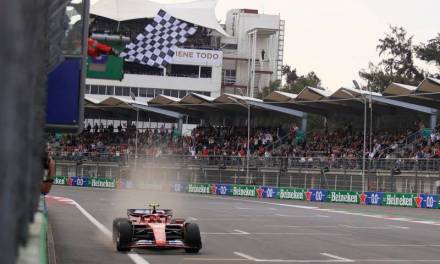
(198, 57)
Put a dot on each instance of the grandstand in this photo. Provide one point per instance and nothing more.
(282, 152)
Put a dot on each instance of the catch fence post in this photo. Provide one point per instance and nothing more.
(416, 184)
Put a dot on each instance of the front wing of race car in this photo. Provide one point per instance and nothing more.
(153, 244)
(158, 236)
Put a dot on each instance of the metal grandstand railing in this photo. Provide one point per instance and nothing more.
(402, 175)
(407, 142)
(292, 162)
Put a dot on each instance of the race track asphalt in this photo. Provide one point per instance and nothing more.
(245, 230)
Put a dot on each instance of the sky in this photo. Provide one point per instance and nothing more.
(337, 38)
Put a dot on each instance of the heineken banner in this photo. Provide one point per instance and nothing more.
(199, 188)
(371, 198)
(267, 192)
(427, 201)
(60, 180)
(244, 190)
(316, 195)
(343, 197)
(78, 181)
(102, 183)
(178, 187)
(221, 189)
(399, 199)
(85, 182)
(291, 193)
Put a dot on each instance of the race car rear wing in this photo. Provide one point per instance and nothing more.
(141, 212)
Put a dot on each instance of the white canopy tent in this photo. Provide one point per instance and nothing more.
(200, 12)
(399, 89)
(123, 102)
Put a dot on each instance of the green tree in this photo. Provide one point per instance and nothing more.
(430, 52)
(397, 65)
(273, 86)
(291, 75)
(295, 84)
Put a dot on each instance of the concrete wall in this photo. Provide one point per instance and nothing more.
(24, 60)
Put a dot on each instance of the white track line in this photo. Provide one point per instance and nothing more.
(337, 257)
(93, 220)
(334, 259)
(303, 216)
(394, 245)
(136, 258)
(399, 260)
(375, 227)
(241, 231)
(303, 226)
(221, 233)
(337, 211)
(300, 234)
(245, 256)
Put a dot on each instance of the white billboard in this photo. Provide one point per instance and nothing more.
(198, 57)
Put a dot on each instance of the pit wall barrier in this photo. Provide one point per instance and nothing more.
(36, 248)
(312, 195)
(86, 182)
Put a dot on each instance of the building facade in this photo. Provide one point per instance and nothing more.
(253, 55)
(212, 63)
(193, 70)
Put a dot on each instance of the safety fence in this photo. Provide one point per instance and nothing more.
(407, 179)
(257, 161)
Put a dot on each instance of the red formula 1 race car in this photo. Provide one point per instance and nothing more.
(155, 228)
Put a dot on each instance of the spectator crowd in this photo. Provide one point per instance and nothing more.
(266, 142)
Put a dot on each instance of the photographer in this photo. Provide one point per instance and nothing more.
(49, 174)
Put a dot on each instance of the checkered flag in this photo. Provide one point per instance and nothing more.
(157, 44)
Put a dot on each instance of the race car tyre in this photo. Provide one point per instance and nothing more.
(122, 234)
(191, 237)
